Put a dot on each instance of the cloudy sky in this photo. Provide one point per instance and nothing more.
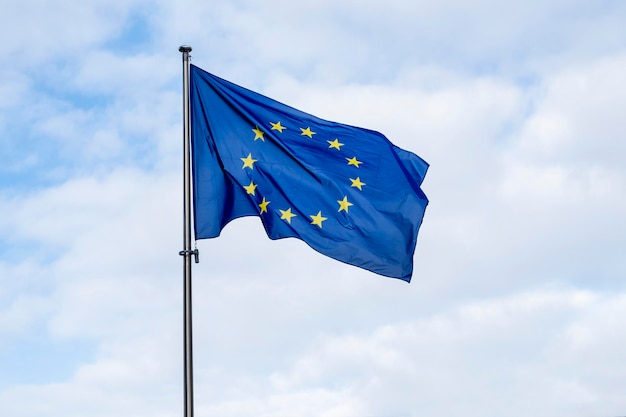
(517, 305)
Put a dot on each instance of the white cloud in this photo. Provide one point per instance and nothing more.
(375, 40)
(561, 178)
(110, 284)
(455, 361)
(42, 31)
(578, 116)
(105, 72)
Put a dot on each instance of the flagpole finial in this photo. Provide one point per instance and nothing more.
(185, 48)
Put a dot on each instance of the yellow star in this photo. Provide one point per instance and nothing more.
(248, 161)
(318, 219)
(357, 183)
(258, 133)
(250, 188)
(344, 204)
(307, 132)
(353, 161)
(278, 126)
(335, 144)
(286, 215)
(263, 205)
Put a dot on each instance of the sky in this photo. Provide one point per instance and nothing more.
(517, 304)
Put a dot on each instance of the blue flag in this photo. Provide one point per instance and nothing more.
(347, 192)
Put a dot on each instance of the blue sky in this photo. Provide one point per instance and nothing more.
(518, 294)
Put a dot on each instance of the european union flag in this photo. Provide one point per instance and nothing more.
(347, 192)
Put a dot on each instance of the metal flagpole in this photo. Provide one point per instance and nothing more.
(187, 252)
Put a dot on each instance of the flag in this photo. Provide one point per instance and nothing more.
(348, 192)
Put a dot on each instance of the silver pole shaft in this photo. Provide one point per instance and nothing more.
(187, 252)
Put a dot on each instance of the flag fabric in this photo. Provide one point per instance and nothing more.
(348, 192)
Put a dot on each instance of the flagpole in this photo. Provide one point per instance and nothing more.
(187, 252)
